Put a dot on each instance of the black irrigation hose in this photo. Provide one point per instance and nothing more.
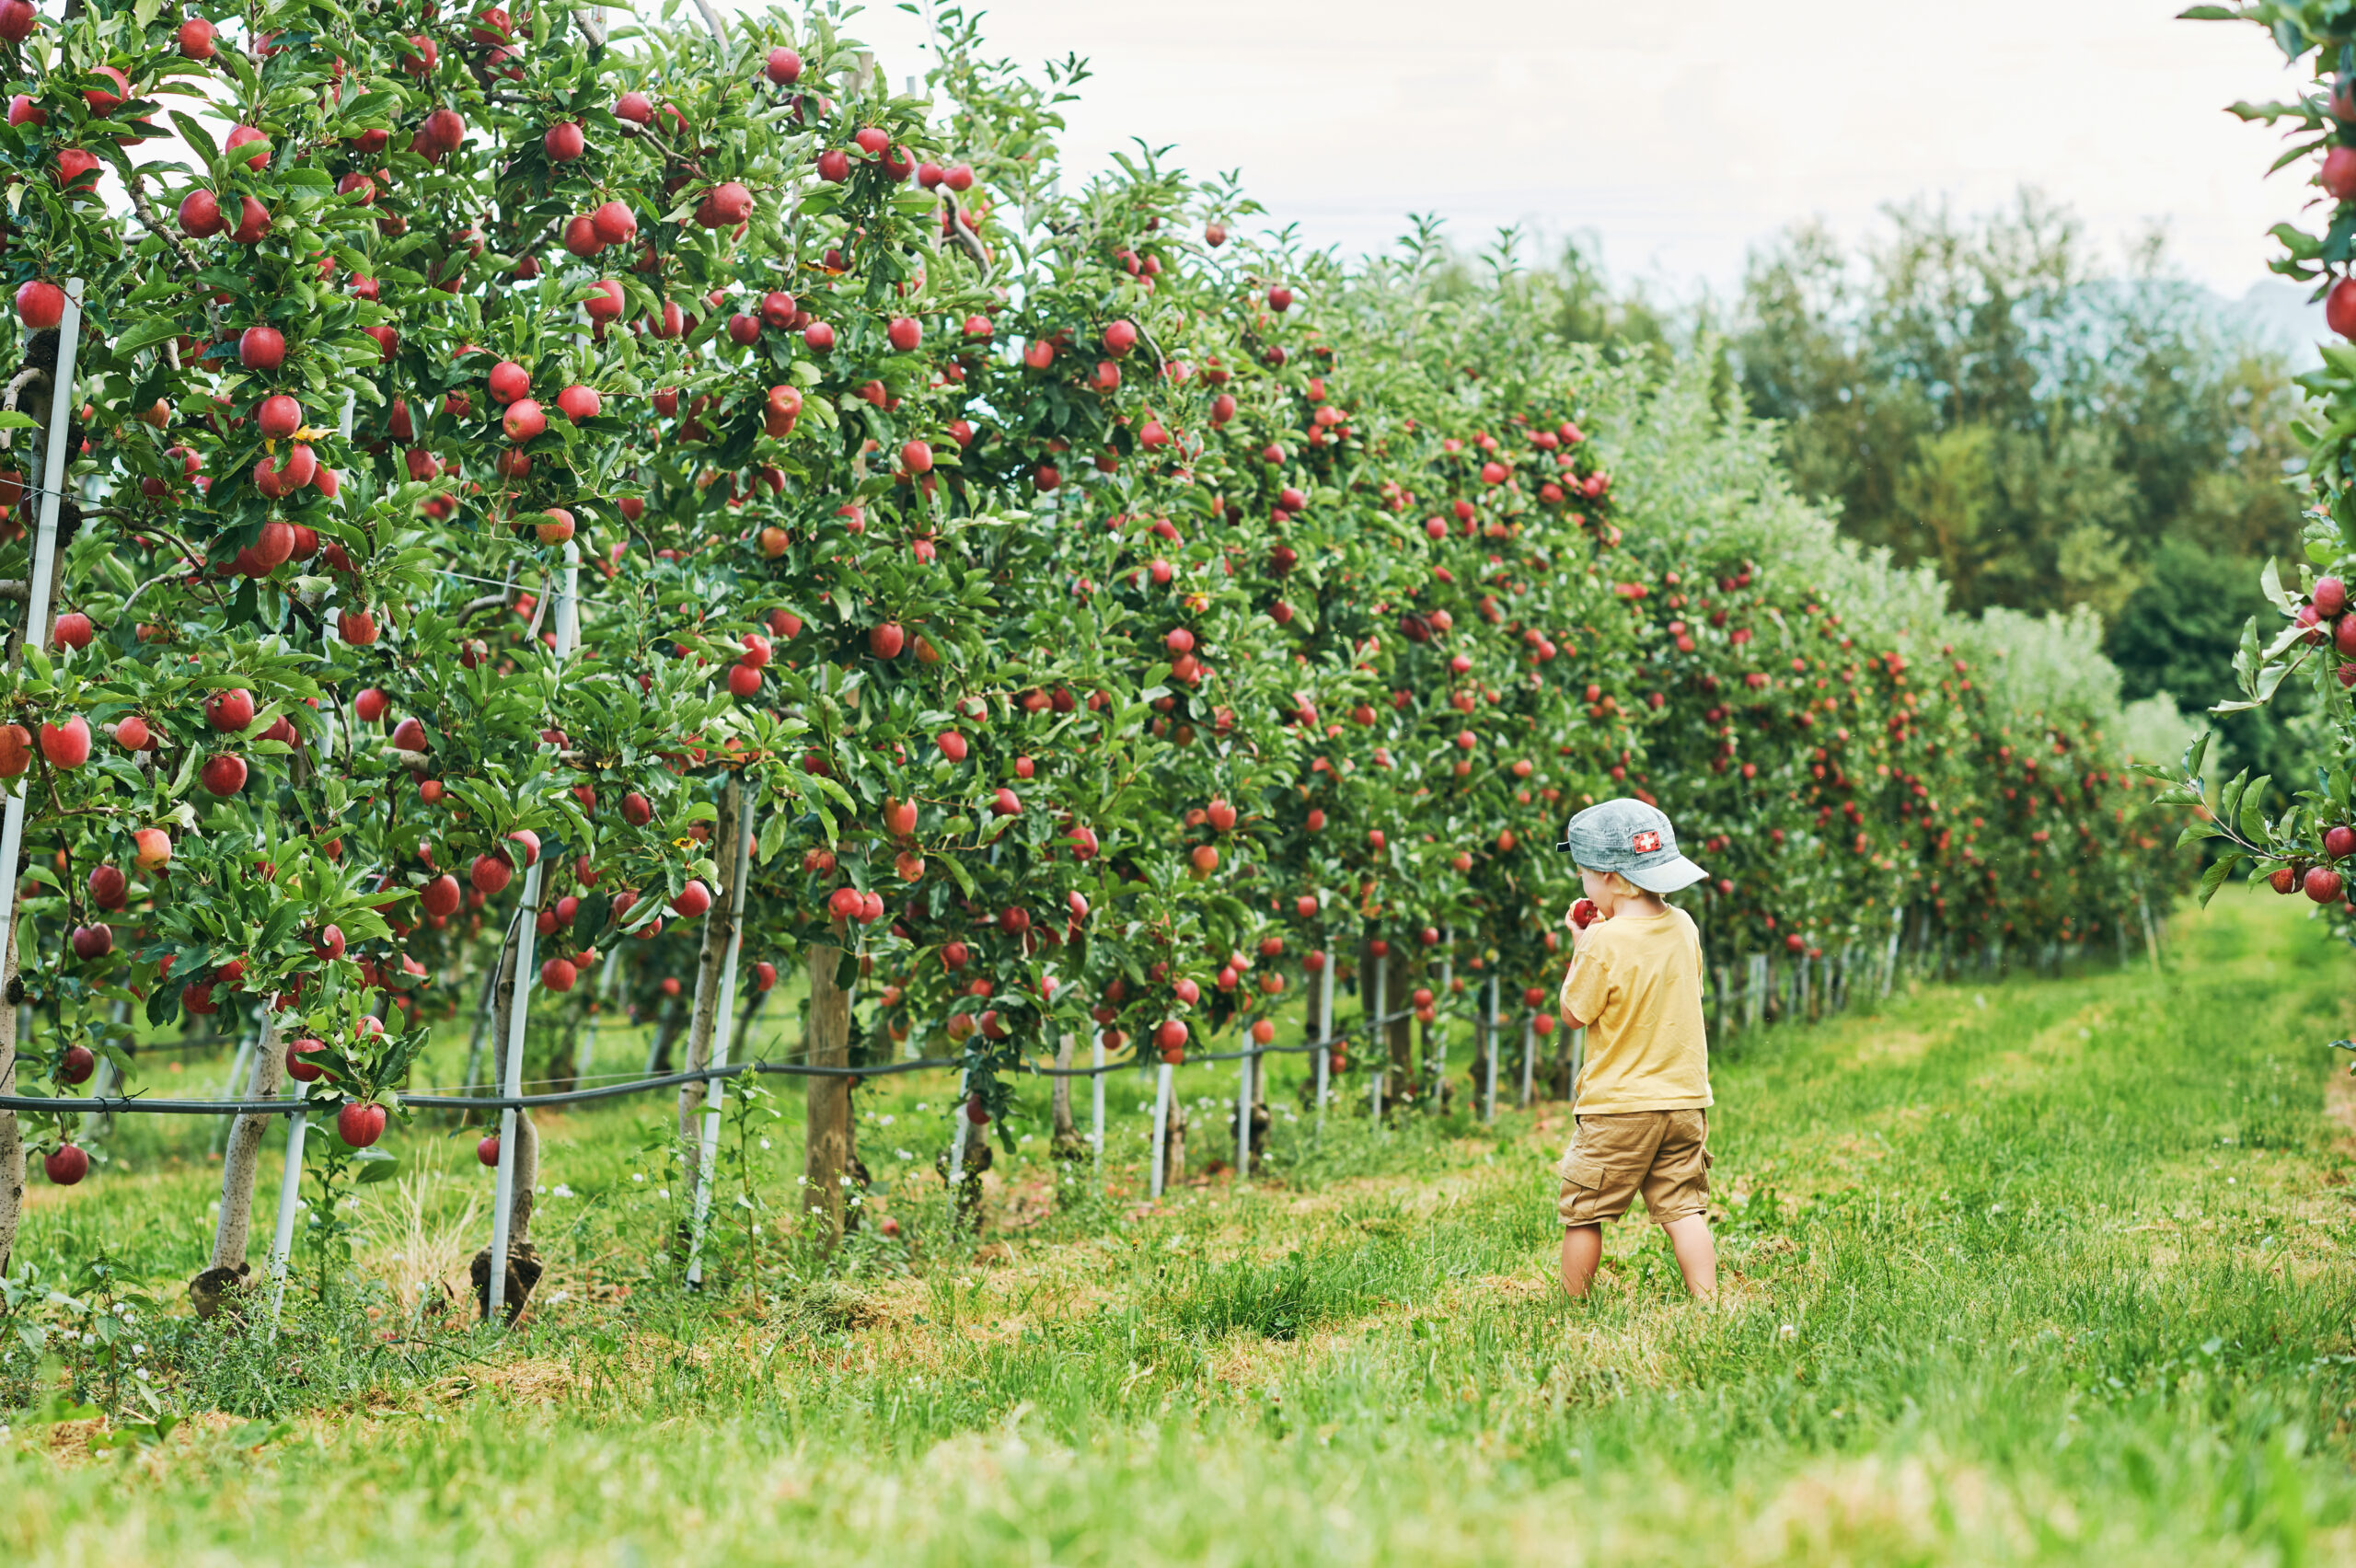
(117, 1104)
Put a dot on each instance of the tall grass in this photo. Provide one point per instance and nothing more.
(2048, 1271)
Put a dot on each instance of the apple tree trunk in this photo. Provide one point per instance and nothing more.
(827, 1157)
(242, 1161)
(12, 1136)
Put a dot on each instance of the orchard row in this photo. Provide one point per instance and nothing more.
(1088, 614)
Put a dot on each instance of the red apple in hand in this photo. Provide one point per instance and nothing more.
(1583, 912)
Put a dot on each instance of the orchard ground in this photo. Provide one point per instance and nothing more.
(2045, 1270)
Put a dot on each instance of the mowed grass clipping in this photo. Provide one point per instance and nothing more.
(2039, 1270)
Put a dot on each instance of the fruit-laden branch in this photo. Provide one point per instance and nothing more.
(156, 226)
(965, 236)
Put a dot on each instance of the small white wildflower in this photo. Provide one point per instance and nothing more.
(559, 1295)
(138, 1349)
(765, 1143)
(140, 1373)
(1788, 1332)
(541, 1190)
(886, 1120)
(638, 1175)
(1024, 1139)
(663, 1192)
(562, 1190)
(904, 1154)
(920, 1105)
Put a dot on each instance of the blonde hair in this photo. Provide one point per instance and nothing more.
(1626, 888)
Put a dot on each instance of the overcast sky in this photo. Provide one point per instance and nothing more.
(1677, 135)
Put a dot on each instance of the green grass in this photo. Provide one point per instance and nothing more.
(2043, 1270)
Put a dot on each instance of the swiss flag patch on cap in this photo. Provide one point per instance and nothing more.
(1647, 842)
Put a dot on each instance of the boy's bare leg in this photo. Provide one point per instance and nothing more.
(1582, 1249)
(1697, 1256)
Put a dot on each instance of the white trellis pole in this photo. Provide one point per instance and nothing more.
(1378, 1046)
(1243, 1109)
(53, 458)
(1096, 1101)
(290, 1200)
(1160, 1124)
(603, 999)
(568, 633)
(957, 1145)
(1529, 1061)
(1489, 1091)
(723, 1018)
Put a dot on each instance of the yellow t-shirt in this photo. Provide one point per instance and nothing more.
(1637, 984)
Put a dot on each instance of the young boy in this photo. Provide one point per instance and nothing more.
(1643, 1095)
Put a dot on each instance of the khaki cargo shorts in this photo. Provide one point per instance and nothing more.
(1660, 1154)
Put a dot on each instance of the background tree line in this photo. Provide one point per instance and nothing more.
(1992, 395)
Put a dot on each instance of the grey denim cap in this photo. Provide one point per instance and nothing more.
(1633, 839)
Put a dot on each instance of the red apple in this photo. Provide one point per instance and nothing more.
(522, 421)
(67, 1163)
(229, 710)
(225, 775)
(360, 1123)
(40, 305)
(262, 348)
(68, 745)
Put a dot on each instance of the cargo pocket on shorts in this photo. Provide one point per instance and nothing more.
(1576, 1199)
(1580, 1170)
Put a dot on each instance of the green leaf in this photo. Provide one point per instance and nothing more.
(2270, 581)
(373, 1165)
(2252, 820)
(2214, 877)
